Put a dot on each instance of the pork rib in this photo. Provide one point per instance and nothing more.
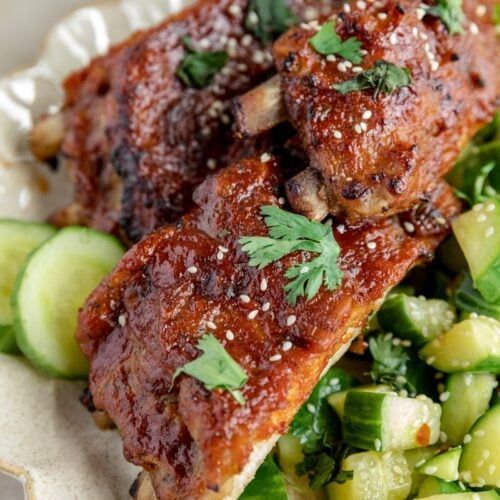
(183, 280)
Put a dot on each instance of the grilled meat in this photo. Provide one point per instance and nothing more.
(374, 155)
(183, 280)
(135, 139)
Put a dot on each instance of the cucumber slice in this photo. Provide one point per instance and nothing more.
(444, 466)
(17, 240)
(55, 281)
(289, 452)
(480, 460)
(472, 345)
(478, 233)
(435, 486)
(416, 318)
(337, 400)
(385, 421)
(472, 495)
(469, 395)
(415, 457)
(376, 476)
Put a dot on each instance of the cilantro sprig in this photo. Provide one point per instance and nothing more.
(198, 68)
(326, 42)
(268, 19)
(451, 13)
(288, 233)
(215, 368)
(383, 77)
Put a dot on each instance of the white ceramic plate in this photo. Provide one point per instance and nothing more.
(47, 440)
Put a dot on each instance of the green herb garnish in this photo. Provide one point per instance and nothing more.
(288, 233)
(326, 42)
(450, 12)
(268, 481)
(496, 14)
(319, 432)
(198, 69)
(268, 19)
(383, 77)
(215, 368)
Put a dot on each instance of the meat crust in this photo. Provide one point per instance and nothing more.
(144, 321)
(137, 141)
(391, 148)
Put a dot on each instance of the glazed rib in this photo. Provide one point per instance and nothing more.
(135, 139)
(376, 155)
(144, 321)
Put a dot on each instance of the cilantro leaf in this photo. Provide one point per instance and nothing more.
(198, 69)
(383, 77)
(326, 41)
(398, 366)
(268, 482)
(451, 13)
(269, 19)
(215, 368)
(288, 233)
(318, 429)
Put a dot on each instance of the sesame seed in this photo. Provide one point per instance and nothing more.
(246, 41)
(245, 299)
(364, 126)
(431, 360)
(253, 18)
(490, 207)
(360, 4)
(363, 52)
(291, 320)
(311, 408)
(331, 58)
(223, 249)
(382, 16)
(406, 343)
(357, 128)
(480, 10)
(420, 14)
(211, 325)
(220, 255)
(229, 335)
(467, 438)
(371, 245)
(192, 269)
(478, 207)
(265, 157)
(266, 306)
(367, 115)
(409, 227)
(430, 470)
(341, 228)
(423, 36)
(420, 462)
(357, 69)
(491, 469)
(204, 43)
(341, 67)
(258, 57)
(347, 8)
(275, 357)
(393, 39)
(434, 65)
(414, 32)
(122, 320)
(263, 285)
(397, 469)
(485, 454)
(481, 217)
(211, 163)
(378, 444)
(337, 134)
(444, 396)
(473, 29)
(253, 314)
(348, 64)
(489, 232)
(235, 10)
(281, 200)
(287, 345)
(304, 270)
(479, 433)
(443, 437)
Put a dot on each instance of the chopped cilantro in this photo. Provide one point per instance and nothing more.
(198, 69)
(215, 368)
(451, 13)
(291, 232)
(269, 19)
(326, 41)
(383, 77)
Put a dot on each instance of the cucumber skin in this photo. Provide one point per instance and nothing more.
(489, 283)
(8, 344)
(436, 486)
(23, 343)
(361, 427)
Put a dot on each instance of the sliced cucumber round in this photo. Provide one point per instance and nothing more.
(444, 466)
(472, 345)
(51, 288)
(480, 460)
(17, 240)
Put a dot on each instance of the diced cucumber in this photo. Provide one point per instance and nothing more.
(337, 400)
(416, 318)
(17, 240)
(444, 466)
(290, 454)
(480, 460)
(472, 345)
(468, 495)
(469, 395)
(478, 233)
(53, 285)
(415, 457)
(376, 476)
(435, 486)
(385, 421)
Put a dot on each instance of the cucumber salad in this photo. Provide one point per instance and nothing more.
(412, 412)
